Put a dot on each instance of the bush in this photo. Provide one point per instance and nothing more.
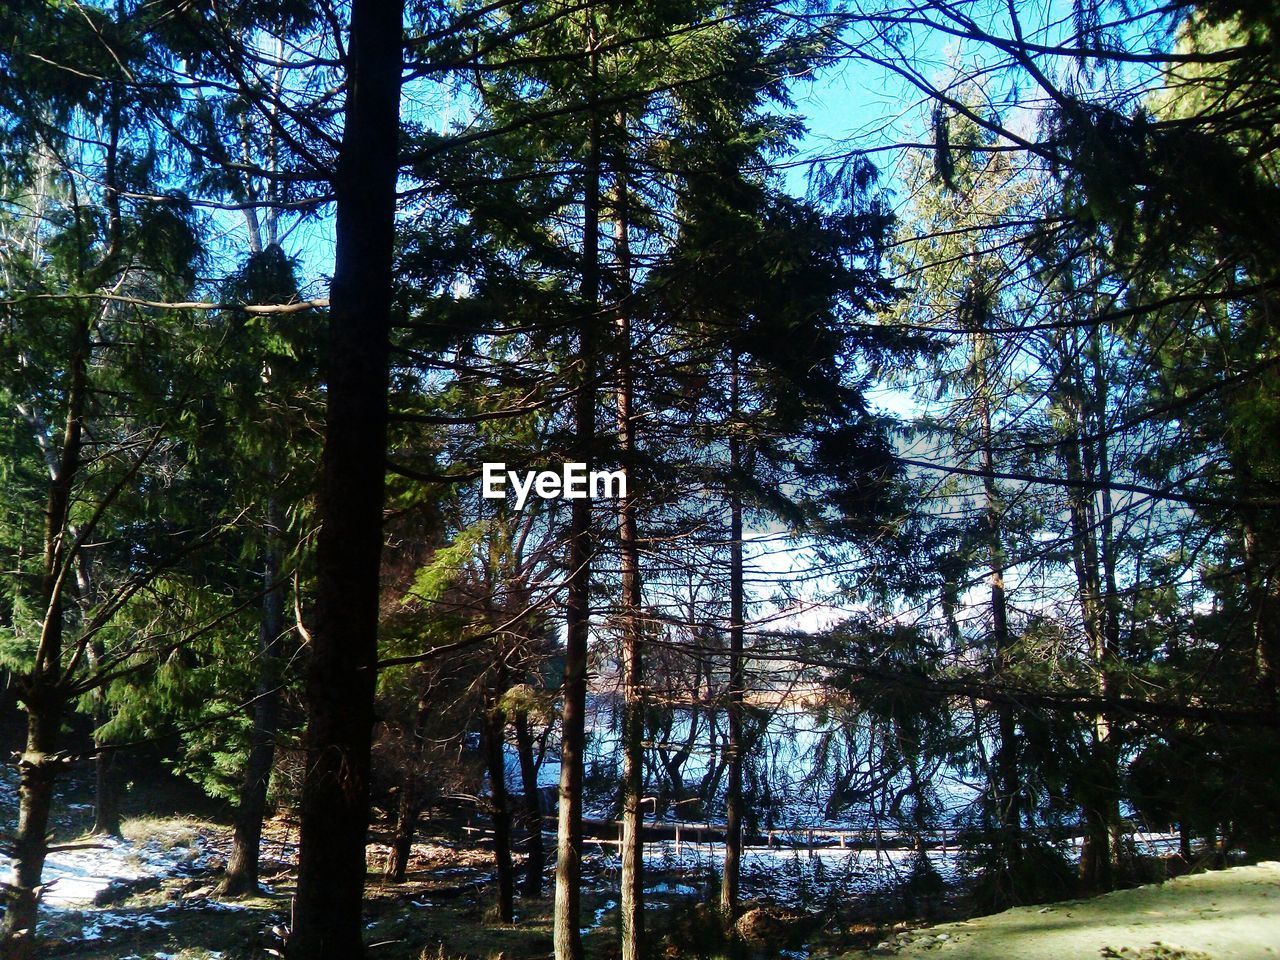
(1016, 870)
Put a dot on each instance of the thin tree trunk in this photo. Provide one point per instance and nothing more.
(1095, 860)
(495, 724)
(536, 854)
(1109, 753)
(409, 805)
(242, 872)
(566, 931)
(631, 852)
(241, 878)
(408, 809)
(1095, 578)
(106, 782)
(672, 758)
(106, 791)
(41, 689)
(344, 648)
(1006, 788)
(737, 616)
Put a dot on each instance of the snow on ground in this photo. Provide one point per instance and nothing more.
(790, 871)
(789, 876)
(73, 878)
(795, 875)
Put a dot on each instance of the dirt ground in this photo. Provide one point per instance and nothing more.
(1224, 915)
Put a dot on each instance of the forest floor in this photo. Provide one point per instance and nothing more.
(151, 896)
(161, 905)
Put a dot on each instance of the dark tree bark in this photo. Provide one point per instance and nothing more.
(495, 725)
(37, 769)
(344, 647)
(106, 780)
(536, 858)
(1005, 787)
(1105, 656)
(1262, 592)
(674, 759)
(737, 617)
(410, 803)
(106, 793)
(1093, 558)
(566, 930)
(241, 878)
(41, 689)
(408, 808)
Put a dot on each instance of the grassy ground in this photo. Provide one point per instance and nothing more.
(1224, 915)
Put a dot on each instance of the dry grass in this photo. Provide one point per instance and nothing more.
(167, 832)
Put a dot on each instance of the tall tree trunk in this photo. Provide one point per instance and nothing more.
(737, 617)
(41, 689)
(1095, 861)
(536, 854)
(495, 725)
(344, 649)
(1108, 736)
(566, 930)
(1095, 578)
(631, 852)
(1006, 788)
(241, 878)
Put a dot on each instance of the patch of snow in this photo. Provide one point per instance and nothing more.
(96, 924)
(598, 917)
(679, 889)
(73, 878)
